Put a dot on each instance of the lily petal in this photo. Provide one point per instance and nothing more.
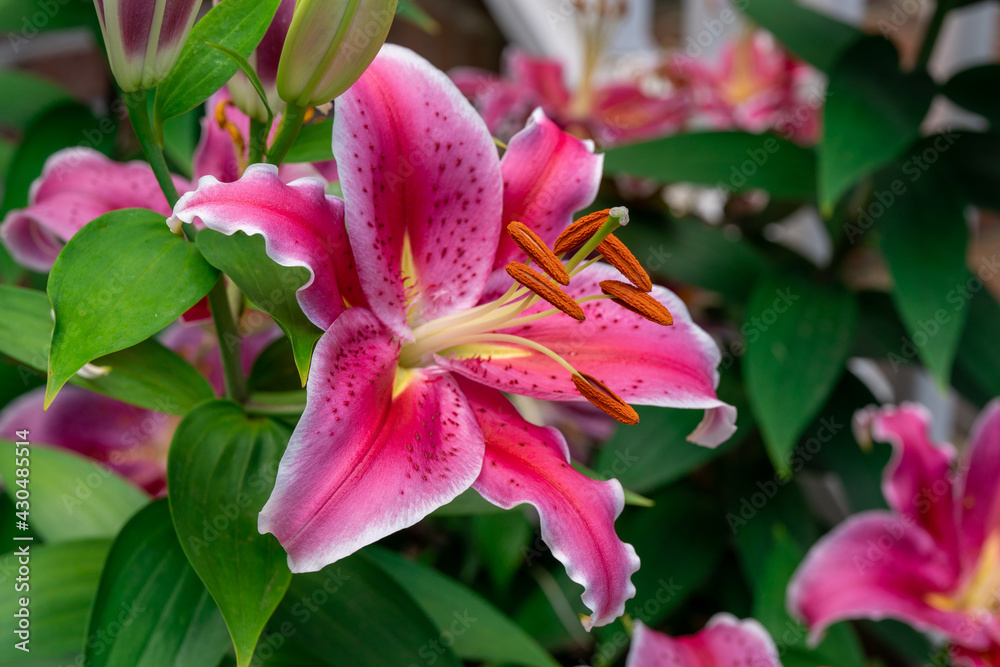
(548, 175)
(76, 186)
(301, 226)
(980, 499)
(540, 74)
(423, 188)
(878, 565)
(726, 640)
(917, 482)
(373, 453)
(643, 362)
(530, 464)
(130, 440)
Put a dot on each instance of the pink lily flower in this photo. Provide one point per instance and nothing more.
(132, 441)
(756, 86)
(933, 561)
(612, 112)
(78, 185)
(425, 329)
(726, 640)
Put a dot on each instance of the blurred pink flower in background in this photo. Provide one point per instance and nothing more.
(933, 560)
(726, 640)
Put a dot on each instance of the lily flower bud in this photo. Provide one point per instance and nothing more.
(329, 45)
(264, 60)
(144, 38)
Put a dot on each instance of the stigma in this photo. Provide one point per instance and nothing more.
(478, 331)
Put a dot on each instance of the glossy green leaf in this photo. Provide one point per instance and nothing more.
(798, 335)
(409, 10)
(26, 95)
(812, 36)
(63, 582)
(977, 365)
(244, 66)
(873, 111)
(480, 631)
(180, 139)
(924, 237)
(977, 89)
(61, 126)
(655, 452)
(274, 370)
(119, 280)
(202, 69)
(72, 497)
(148, 374)
(148, 582)
(736, 161)
(351, 613)
(314, 143)
(269, 286)
(220, 472)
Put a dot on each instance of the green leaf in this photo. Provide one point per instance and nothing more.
(481, 632)
(314, 143)
(468, 503)
(655, 452)
(26, 95)
(408, 10)
(814, 37)
(977, 366)
(203, 69)
(63, 583)
(840, 647)
(148, 374)
(220, 472)
(72, 497)
(270, 287)
(500, 541)
(924, 243)
(798, 336)
(148, 582)
(244, 65)
(59, 127)
(351, 613)
(873, 111)
(977, 89)
(736, 161)
(180, 139)
(119, 280)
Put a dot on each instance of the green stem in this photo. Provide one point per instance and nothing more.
(933, 30)
(229, 341)
(258, 139)
(291, 123)
(138, 113)
(225, 326)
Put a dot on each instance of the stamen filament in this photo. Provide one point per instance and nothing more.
(617, 217)
(518, 340)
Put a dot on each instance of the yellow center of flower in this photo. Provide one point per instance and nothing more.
(981, 592)
(743, 82)
(474, 333)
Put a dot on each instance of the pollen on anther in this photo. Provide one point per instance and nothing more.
(534, 247)
(580, 231)
(639, 302)
(544, 288)
(601, 396)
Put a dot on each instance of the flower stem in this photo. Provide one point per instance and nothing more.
(225, 326)
(291, 123)
(258, 139)
(229, 341)
(138, 113)
(933, 30)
